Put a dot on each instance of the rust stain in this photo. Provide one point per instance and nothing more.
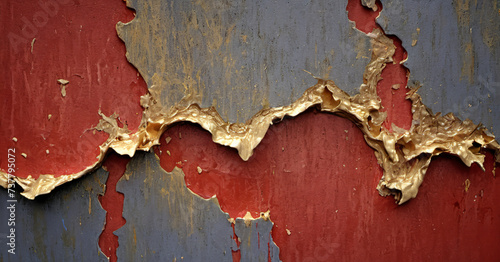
(468, 62)
(90, 203)
(462, 8)
(135, 237)
(489, 29)
(414, 37)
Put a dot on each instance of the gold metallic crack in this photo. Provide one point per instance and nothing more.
(404, 155)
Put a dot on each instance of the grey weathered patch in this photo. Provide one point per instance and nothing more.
(241, 56)
(166, 221)
(453, 50)
(62, 226)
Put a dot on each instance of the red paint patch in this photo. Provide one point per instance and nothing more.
(363, 17)
(112, 202)
(392, 88)
(236, 256)
(74, 40)
(319, 181)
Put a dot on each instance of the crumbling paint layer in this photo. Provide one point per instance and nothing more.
(55, 133)
(404, 155)
(242, 56)
(318, 177)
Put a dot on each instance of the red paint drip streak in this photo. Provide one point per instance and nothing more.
(112, 202)
(394, 101)
(236, 254)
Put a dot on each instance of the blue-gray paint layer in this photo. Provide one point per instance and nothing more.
(62, 226)
(166, 221)
(453, 50)
(255, 239)
(243, 55)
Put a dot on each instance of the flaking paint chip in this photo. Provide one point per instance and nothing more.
(32, 43)
(168, 152)
(49, 116)
(24, 155)
(467, 184)
(47, 151)
(199, 169)
(168, 139)
(248, 219)
(14, 139)
(288, 232)
(62, 84)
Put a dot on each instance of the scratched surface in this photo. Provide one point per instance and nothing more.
(453, 50)
(62, 226)
(241, 56)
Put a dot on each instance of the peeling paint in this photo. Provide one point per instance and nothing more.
(170, 225)
(404, 154)
(62, 84)
(404, 157)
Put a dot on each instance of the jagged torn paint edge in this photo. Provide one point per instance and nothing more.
(404, 155)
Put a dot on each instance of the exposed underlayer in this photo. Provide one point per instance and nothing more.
(403, 154)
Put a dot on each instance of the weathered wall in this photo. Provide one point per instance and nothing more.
(309, 190)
